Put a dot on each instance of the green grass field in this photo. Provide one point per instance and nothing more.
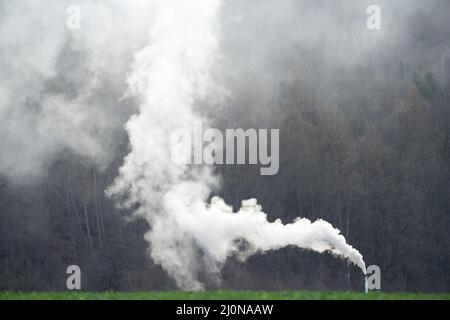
(218, 295)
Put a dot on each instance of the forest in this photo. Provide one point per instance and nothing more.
(364, 133)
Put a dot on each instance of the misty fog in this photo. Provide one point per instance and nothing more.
(364, 141)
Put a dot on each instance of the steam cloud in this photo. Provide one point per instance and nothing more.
(60, 90)
(188, 234)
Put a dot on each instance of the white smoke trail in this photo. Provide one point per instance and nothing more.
(188, 235)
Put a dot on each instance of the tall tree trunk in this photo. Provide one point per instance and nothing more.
(86, 218)
(347, 230)
(72, 203)
(97, 211)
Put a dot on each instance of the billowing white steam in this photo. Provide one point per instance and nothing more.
(60, 88)
(188, 235)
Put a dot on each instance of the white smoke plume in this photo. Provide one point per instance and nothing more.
(188, 234)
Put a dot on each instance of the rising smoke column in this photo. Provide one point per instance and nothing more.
(188, 234)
